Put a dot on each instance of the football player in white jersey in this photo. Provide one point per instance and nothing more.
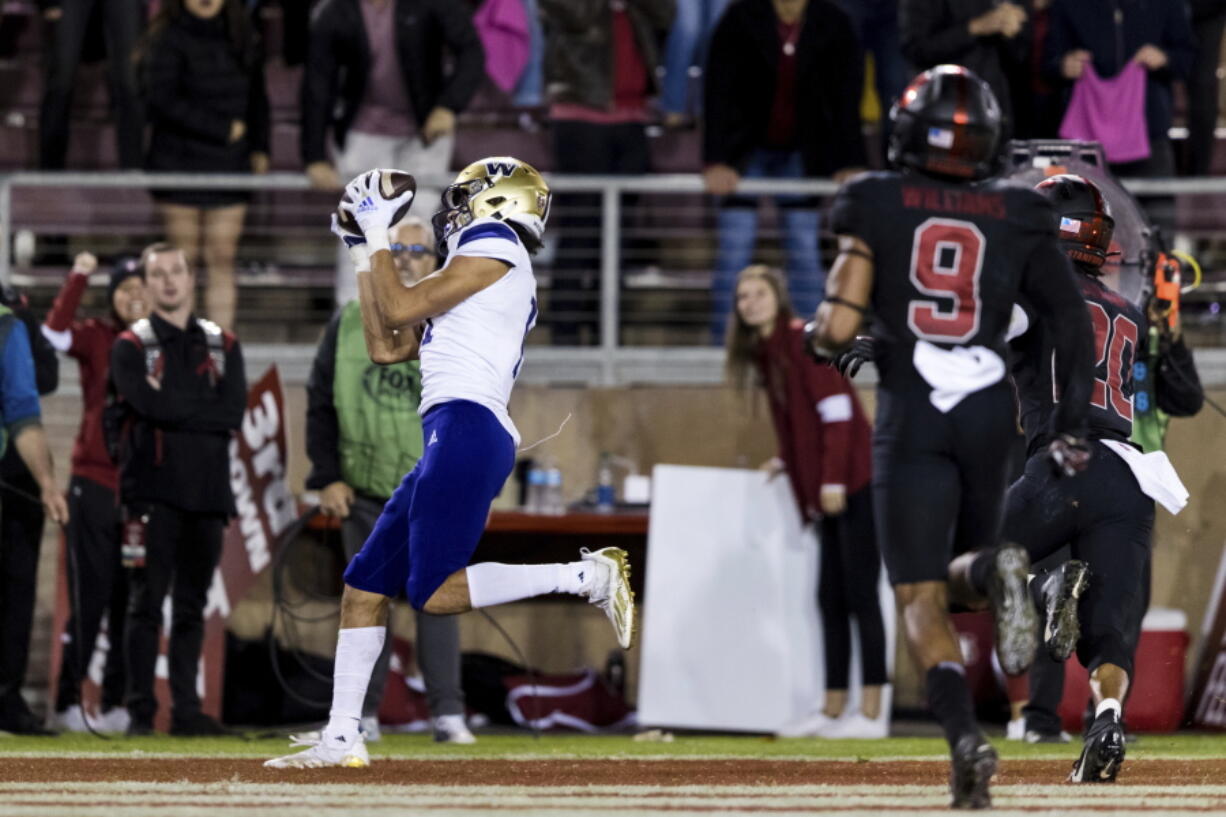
(467, 322)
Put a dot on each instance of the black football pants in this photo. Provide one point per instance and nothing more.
(1107, 522)
(182, 550)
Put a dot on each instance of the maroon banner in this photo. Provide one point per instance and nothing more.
(258, 470)
(1207, 706)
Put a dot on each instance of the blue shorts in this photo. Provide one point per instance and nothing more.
(431, 525)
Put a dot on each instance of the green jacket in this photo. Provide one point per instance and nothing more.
(362, 422)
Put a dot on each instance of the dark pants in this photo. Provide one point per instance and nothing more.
(97, 582)
(850, 568)
(585, 148)
(1102, 514)
(182, 550)
(1202, 94)
(122, 21)
(438, 637)
(1042, 710)
(21, 532)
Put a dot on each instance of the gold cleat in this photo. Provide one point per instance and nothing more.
(609, 589)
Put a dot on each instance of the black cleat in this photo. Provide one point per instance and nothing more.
(1016, 621)
(1103, 752)
(1061, 590)
(972, 769)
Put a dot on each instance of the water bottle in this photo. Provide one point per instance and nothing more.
(553, 504)
(534, 499)
(605, 492)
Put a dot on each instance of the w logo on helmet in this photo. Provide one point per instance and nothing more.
(499, 168)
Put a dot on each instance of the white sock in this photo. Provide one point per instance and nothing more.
(1110, 703)
(357, 650)
(493, 583)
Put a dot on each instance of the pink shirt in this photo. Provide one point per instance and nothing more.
(385, 109)
(1110, 111)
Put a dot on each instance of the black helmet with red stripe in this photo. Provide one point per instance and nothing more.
(947, 123)
(1086, 224)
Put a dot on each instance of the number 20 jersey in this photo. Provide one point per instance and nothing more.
(1119, 327)
(949, 260)
(474, 350)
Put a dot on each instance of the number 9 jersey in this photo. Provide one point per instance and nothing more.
(949, 259)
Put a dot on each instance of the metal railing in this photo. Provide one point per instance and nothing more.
(610, 362)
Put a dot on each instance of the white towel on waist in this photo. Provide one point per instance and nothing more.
(956, 373)
(1154, 474)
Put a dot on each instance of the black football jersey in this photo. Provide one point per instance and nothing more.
(949, 261)
(1119, 327)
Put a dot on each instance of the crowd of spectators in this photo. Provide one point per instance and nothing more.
(776, 87)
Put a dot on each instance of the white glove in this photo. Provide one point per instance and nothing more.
(359, 252)
(371, 210)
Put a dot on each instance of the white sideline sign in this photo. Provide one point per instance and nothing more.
(731, 636)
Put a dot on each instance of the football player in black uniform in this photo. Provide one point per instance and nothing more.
(1102, 513)
(939, 251)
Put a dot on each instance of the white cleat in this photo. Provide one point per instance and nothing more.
(608, 587)
(452, 729)
(335, 750)
(1016, 729)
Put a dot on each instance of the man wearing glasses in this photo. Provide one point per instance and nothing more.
(363, 435)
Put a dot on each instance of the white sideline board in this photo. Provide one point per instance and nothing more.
(731, 636)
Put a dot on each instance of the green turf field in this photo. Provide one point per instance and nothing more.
(582, 746)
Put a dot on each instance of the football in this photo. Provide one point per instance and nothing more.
(392, 183)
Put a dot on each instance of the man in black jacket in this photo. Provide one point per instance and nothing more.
(782, 100)
(985, 36)
(182, 382)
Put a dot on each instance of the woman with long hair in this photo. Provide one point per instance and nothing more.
(824, 446)
(203, 80)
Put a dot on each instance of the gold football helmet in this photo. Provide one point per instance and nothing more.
(500, 187)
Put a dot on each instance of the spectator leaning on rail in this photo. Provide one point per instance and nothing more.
(825, 447)
(182, 392)
(783, 85)
(987, 36)
(377, 77)
(97, 581)
(363, 436)
(600, 70)
(69, 38)
(26, 371)
(203, 79)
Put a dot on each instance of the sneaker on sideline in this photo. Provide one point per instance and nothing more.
(856, 725)
(810, 726)
(452, 729)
